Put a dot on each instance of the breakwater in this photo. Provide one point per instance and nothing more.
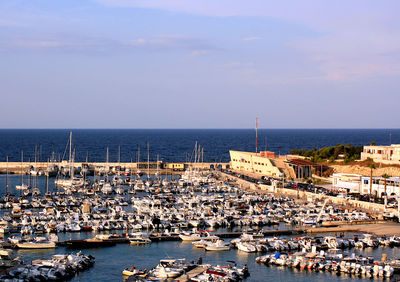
(18, 167)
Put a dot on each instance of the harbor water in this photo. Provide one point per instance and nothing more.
(110, 261)
(175, 145)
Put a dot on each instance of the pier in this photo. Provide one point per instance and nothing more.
(152, 167)
(192, 273)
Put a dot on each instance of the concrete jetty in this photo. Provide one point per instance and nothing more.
(18, 167)
(378, 229)
(192, 273)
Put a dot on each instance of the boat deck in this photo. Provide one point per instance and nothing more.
(192, 273)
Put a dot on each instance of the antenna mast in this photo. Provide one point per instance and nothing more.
(256, 134)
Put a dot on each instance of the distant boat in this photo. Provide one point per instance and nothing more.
(218, 245)
(21, 187)
(139, 238)
(38, 243)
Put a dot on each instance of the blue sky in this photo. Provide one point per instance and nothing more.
(199, 64)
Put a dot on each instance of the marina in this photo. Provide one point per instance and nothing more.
(137, 215)
(197, 141)
(128, 217)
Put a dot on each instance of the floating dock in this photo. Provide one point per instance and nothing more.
(192, 273)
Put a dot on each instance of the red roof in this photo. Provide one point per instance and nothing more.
(300, 162)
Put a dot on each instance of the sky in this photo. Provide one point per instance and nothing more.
(199, 64)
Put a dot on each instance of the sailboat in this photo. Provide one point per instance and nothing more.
(35, 190)
(139, 185)
(148, 182)
(107, 188)
(22, 186)
(71, 182)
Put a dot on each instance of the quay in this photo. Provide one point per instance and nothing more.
(375, 209)
(226, 235)
(163, 167)
(378, 229)
(163, 238)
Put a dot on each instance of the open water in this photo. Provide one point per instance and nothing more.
(177, 145)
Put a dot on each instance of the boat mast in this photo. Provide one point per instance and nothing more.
(119, 160)
(47, 178)
(106, 169)
(70, 155)
(138, 162)
(34, 169)
(195, 158)
(158, 173)
(29, 175)
(148, 161)
(22, 169)
(256, 134)
(199, 158)
(7, 176)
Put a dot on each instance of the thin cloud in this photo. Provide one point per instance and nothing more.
(355, 37)
(353, 54)
(197, 46)
(251, 38)
(58, 43)
(237, 64)
(73, 43)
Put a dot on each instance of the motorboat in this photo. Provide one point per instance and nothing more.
(196, 236)
(37, 243)
(139, 238)
(133, 271)
(246, 247)
(217, 245)
(167, 268)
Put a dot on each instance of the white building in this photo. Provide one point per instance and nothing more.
(358, 184)
(385, 154)
(346, 181)
(378, 186)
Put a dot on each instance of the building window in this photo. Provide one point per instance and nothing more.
(366, 181)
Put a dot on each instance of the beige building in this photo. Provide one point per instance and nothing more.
(266, 164)
(385, 154)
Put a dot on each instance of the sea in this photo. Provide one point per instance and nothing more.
(175, 145)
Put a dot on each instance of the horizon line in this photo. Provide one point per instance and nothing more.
(203, 128)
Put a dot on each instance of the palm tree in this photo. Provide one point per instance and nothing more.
(385, 177)
(371, 166)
